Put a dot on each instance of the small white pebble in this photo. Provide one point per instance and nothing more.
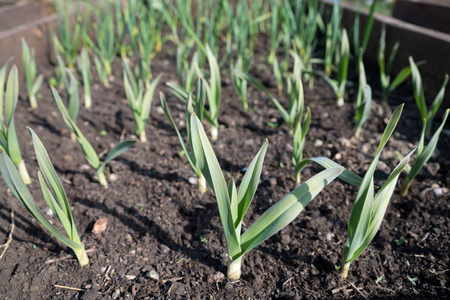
(130, 277)
(85, 167)
(153, 274)
(338, 155)
(159, 110)
(329, 236)
(438, 192)
(113, 177)
(318, 143)
(49, 212)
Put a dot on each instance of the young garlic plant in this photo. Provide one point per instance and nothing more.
(358, 45)
(187, 73)
(101, 71)
(195, 103)
(84, 66)
(2, 85)
(105, 38)
(60, 68)
(213, 88)
(300, 132)
(73, 99)
(369, 208)
(419, 95)
(294, 94)
(140, 97)
(386, 68)
(306, 22)
(423, 154)
(243, 45)
(363, 100)
(29, 71)
(240, 84)
(88, 151)
(68, 42)
(54, 195)
(8, 136)
(342, 58)
(233, 203)
(333, 31)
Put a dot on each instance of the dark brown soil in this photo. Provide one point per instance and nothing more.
(160, 225)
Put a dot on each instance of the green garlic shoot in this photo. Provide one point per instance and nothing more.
(423, 154)
(369, 208)
(419, 95)
(386, 68)
(363, 100)
(233, 203)
(54, 195)
(8, 136)
(29, 70)
(195, 103)
(84, 66)
(140, 99)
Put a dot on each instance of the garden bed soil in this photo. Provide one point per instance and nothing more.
(164, 239)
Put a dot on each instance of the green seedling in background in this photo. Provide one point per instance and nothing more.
(140, 99)
(419, 95)
(363, 100)
(29, 71)
(386, 68)
(84, 66)
(195, 103)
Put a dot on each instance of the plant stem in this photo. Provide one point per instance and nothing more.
(311, 83)
(340, 102)
(143, 137)
(357, 133)
(405, 188)
(245, 105)
(81, 255)
(33, 102)
(107, 67)
(202, 184)
(24, 172)
(102, 179)
(87, 100)
(297, 179)
(214, 133)
(344, 271)
(234, 268)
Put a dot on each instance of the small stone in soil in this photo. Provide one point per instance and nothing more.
(164, 249)
(439, 191)
(115, 294)
(152, 274)
(113, 177)
(273, 181)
